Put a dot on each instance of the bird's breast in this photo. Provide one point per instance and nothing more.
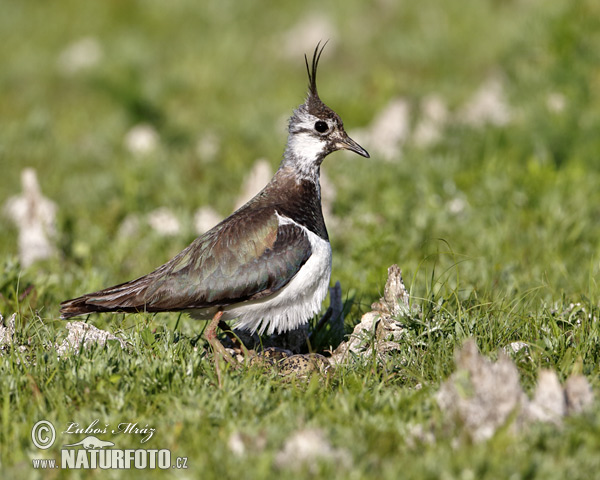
(296, 302)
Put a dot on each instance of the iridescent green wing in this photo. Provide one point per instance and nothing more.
(247, 257)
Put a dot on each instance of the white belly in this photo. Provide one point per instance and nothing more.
(295, 303)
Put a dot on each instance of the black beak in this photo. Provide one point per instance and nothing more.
(348, 144)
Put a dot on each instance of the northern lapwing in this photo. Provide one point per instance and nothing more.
(268, 264)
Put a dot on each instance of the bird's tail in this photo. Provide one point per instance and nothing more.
(126, 297)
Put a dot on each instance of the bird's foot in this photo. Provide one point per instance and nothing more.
(220, 352)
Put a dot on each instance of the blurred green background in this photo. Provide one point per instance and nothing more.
(482, 121)
(505, 202)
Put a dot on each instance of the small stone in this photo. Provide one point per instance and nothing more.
(35, 217)
(142, 139)
(481, 395)
(549, 402)
(236, 444)
(241, 444)
(7, 331)
(86, 335)
(256, 180)
(306, 33)
(80, 55)
(457, 205)
(578, 393)
(434, 115)
(205, 218)
(515, 347)
(328, 194)
(556, 102)
(305, 448)
(487, 106)
(129, 227)
(390, 129)
(164, 222)
(208, 146)
(418, 435)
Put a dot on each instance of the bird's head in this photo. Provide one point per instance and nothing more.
(315, 130)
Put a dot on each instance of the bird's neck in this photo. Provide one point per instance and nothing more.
(304, 154)
(289, 179)
(298, 198)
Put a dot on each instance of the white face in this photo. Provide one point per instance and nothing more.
(309, 138)
(306, 146)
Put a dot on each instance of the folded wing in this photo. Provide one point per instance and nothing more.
(247, 257)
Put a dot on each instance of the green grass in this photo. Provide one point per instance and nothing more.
(504, 268)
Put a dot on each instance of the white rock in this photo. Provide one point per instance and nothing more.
(7, 330)
(434, 115)
(241, 444)
(86, 335)
(129, 227)
(487, 106)
(549, 402)
(208, 146)
(328, 194)
(515, 347)
(306, 447)
(457, 205)
(481, 395)
(236, 444)
(141, 139)
(255, 181)
(389, 129)
(163, 221)
(304, 36)
(205, 218)
(579, 394)
(80, 55)
(556, 102)
(35, 217)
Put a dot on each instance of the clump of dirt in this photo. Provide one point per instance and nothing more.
(379, 331)
(483, 396)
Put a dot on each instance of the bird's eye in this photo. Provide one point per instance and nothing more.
(321, 126)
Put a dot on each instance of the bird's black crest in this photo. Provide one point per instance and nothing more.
(312, 72)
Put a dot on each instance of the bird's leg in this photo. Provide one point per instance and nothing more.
(211, 336)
